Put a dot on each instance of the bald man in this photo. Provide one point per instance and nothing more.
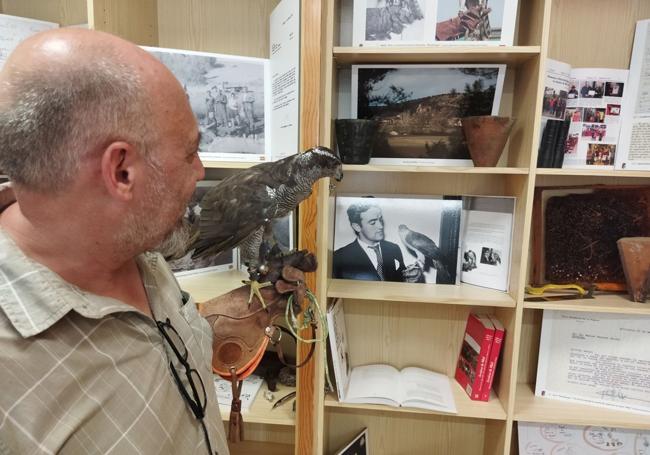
(100, 350)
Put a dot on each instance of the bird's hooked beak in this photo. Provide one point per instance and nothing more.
(338, 175)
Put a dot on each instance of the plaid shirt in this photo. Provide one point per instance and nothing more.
(83, 374)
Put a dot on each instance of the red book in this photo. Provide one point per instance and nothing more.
(474, 354)
(499, 332)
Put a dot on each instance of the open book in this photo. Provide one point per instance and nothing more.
(380, 383)
(591, 99)
(411, 387)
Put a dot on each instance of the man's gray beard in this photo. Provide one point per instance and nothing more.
(175, 245)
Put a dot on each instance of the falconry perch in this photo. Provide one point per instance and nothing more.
(238, 210)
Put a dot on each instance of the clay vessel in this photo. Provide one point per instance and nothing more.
(486, 136)
(356, 139)
(635, 257)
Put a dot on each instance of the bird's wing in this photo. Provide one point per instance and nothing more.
(233, 209)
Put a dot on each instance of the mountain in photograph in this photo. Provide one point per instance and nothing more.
(426, 127)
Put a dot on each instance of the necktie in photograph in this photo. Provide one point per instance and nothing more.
(380, 262)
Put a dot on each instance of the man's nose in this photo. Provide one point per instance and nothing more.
(199, 169)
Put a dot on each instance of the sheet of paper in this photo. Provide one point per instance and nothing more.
(634, 145)
(285, 78)
(426, 389)
(595, 358)
(251, 386)
(595, 113)
(553, 439)
(487, 236)
(14, 29)
(373, 384)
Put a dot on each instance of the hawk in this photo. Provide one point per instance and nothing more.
(239, 209)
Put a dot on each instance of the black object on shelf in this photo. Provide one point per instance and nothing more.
(552, 145)
(356, 139)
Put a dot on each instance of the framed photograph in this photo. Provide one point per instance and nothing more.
(230, 97)
(399, 239)
(420, 107)
(586, 221)
(422, 22)
(358, 446)
(14, 29)
(222, 262)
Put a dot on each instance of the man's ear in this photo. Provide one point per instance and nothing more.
(119, 169)
(356, 227)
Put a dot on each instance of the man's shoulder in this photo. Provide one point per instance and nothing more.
(346, 248)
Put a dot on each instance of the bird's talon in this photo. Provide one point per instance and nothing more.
(256, 286)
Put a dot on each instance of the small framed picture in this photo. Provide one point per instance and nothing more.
(229, 96)
(399, 239)
(358, 446)
(221, 262)
(420, 108)
(442, 22)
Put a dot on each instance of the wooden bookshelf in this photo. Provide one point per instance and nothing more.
(605, 303)
(434, 169)
(463, 294)
(262, 412)
(207, 285)
(530, 408)
(511, 55)
(492, 409)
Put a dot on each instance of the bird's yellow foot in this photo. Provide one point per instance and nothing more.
(255, 290)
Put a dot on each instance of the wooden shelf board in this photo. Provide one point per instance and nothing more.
(529, 408)
(257, 447)
(261, 412)
(592, 173)
(204, 286)
(463, 294)
(433, 169)
(492, 409)
(606, 303)
(214, 164)
(512, 55)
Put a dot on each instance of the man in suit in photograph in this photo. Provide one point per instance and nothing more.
(369, 257)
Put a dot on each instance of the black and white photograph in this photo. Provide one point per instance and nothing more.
(490, 256)
(408, 240)
(187, 265)
(442, 22)
(392, 22)
(358, 446)
(228, 95)
(419, 108)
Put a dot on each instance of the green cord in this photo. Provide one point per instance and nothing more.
(308, 319)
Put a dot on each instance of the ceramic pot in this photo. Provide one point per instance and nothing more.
(486, 136)
(356, 139)
(635, 257)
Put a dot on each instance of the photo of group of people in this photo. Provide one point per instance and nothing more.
(601, 154)
(554, 102)
(227, 95)
(595, 89)
(595, 132)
